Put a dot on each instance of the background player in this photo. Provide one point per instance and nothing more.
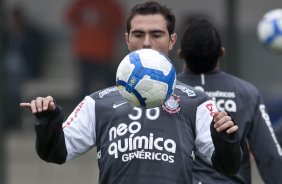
(201, 48)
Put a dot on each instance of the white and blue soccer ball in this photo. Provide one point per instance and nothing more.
(146, 78)
(269, 30)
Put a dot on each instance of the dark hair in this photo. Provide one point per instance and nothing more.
(201, 46)
(152, 7)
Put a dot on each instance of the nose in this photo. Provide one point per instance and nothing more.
(147, 42)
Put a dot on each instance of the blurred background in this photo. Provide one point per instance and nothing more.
(45, 51)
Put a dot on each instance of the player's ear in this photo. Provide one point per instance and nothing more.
(173, 38)
(180, 54)
(126, 37)
(222, 52)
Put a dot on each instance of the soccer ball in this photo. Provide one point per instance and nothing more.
(270, 30)
(146, 78)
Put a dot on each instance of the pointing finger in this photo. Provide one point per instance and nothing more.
(25, 105)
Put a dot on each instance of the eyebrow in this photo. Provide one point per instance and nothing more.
(152, 31)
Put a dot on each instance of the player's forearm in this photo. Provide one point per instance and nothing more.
(227, 155)
(50, 142)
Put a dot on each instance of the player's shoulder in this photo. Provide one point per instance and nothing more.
(182, 89)
(104, 93)
(242, 84)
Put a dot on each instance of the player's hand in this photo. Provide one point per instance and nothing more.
(40, 104)
(223, 122)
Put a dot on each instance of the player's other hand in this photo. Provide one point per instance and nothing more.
(223, 122)
(40, 104)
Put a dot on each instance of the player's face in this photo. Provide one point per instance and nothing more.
(150, 31)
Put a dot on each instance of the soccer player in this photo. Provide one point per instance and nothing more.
(138, 145)
(201, 48)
